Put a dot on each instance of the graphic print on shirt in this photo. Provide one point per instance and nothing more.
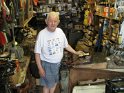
(54, 46)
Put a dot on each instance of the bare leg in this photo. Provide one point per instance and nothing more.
(46, 90)
(53, 89)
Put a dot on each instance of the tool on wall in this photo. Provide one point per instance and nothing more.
(98, 46)
(5, 12)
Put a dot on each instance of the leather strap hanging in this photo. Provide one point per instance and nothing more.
(2, 39)
(35, 2)
(22, 3)
(98, 46)
(4, 12)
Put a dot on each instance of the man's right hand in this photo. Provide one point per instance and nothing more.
(42, 72)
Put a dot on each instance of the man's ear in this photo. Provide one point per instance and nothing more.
(46, 21)
(58, 21)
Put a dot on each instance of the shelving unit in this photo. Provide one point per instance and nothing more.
(107, 11)
(103, 32)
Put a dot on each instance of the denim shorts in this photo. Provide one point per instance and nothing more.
(52, 74)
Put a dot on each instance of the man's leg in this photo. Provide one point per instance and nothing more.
(52, 90)
(45, 90)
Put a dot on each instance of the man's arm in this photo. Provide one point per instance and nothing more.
(70, 49)
(39, 64)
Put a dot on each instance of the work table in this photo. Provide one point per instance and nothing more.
(20, 74)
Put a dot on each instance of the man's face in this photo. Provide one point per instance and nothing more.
(52, 23)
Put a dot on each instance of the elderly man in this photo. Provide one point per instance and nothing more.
(49, 47)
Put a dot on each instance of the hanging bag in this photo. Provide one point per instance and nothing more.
(33, 67)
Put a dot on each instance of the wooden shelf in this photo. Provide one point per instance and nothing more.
(107, 17)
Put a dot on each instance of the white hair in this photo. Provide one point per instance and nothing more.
(56, 14)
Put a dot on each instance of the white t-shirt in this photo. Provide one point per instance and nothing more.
(50, 45)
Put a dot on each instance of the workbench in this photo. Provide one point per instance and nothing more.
(92, 72)
(20, 79)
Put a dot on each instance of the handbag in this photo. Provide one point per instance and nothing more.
(33, 67)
